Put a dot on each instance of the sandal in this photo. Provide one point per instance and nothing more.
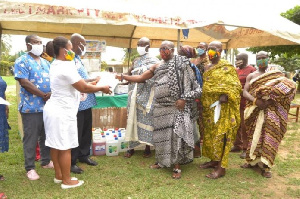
(3, 196)
(208, 165)
(266, 174)
(147, 154)
(129, 153)
(176, 173)
(214, 175)
(155, 166)
(2, 177)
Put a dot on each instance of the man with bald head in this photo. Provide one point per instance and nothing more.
(175, 90)
(269, 96)
(221, 116)
(140, 100)
(84, 115)
(243, 70)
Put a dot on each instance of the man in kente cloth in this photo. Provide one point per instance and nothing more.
(140, 102)
(270, 95)
(221, 115)
(175, 91)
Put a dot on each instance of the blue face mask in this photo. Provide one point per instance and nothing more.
(200, 51)
(262, 63)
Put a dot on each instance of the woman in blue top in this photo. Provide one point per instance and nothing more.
(3, 121)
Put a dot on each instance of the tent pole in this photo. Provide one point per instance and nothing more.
(226, 56)
(232, 56)
(178, 39)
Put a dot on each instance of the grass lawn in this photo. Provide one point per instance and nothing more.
(117, 177)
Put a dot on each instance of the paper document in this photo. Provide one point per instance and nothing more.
(3, 101)
(109, 79)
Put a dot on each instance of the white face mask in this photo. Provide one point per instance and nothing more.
(141, 50)
(36, 49)
(84, 49)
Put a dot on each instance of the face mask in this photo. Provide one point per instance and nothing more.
(36, 49)
(213, 54)
(84, 49)
(70, 55)
(165, 53)
(239, 63)
(141, 50)
(200, 51)
(262, 63)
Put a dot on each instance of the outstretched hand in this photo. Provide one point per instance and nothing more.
(106, 89)
(119, 77)
(97, 79)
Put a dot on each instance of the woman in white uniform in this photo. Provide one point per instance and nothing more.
(61, 109)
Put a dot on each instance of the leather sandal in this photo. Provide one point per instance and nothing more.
(129, 153)
(266, 174)
(176, 173)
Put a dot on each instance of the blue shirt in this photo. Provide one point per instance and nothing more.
(90, 100)
(38, 74)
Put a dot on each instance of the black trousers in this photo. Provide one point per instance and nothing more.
(84, 125)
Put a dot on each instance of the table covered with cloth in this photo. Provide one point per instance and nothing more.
(110, 111)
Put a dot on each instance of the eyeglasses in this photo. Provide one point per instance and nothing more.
(164, 49)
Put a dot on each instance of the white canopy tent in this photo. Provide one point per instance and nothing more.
(122, 22)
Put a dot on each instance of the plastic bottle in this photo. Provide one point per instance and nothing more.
(123, 145)
(99, 145)
(112, 147)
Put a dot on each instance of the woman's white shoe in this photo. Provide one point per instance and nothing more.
(60, 181)
(65, 186)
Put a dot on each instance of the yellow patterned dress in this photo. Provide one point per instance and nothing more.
(219, 137)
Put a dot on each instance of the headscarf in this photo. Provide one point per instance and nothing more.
(187, 51)
(190, 52)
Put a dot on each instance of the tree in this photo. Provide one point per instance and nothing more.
(133, 55)
(6, 60)
(103, 65)
(5, 44)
